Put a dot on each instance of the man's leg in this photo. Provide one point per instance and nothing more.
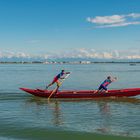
(99, 89)
(58, 85)
(50, 84)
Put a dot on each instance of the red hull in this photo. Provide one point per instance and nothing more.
(83, 93)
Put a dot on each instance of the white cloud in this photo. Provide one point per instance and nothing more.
(134, 15)
(9, 54)
(106, 19)
(79, 53)
(119, 24)
(99, 54)
(115, 20)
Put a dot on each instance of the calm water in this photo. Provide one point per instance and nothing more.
(22, 114)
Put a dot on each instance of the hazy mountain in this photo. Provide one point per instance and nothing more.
(41, 59)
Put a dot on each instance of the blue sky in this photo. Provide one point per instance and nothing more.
(70, 28)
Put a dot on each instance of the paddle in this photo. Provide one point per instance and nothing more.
(58, 87)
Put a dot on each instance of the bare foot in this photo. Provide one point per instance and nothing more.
(95, 91)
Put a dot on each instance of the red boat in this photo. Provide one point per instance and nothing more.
(83, 93)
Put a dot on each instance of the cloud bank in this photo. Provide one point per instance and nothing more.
(77, 53)
(99, 54)
(115, 20)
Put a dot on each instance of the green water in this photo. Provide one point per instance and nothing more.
(23, 116)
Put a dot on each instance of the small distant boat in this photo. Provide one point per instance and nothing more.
(132, 64)
(83, 93)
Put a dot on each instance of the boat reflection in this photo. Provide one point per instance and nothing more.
(40, 100)
(52, 112)
(105, 114)
(52, 107)
(57, 115)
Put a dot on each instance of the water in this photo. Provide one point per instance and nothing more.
(24, 116)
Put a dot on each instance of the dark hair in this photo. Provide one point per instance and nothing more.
(108, 77)
(62, 70)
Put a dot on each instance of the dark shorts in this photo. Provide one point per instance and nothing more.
(102, 87)
(55, 80)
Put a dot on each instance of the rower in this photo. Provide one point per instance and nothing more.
(61, 75)
(103, 86)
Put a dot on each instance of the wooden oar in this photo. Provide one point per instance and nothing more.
(58, 87)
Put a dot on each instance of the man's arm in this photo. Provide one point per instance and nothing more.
(63, 77)
(67, 72)
(113, 79)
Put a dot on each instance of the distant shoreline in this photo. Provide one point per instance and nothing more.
(67, 62)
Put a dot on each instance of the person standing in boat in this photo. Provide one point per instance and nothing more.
(61, 75)
(106, 82)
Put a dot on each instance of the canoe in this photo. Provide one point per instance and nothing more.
(83, 93)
